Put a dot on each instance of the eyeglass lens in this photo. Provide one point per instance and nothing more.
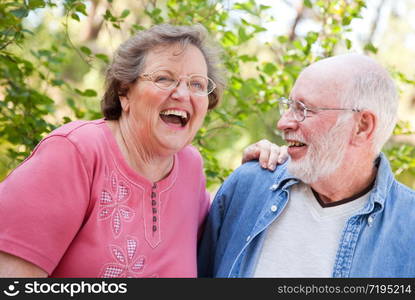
(197, 84)
(287, 105)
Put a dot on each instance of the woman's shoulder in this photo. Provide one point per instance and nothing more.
(79, 127)
(190, 152)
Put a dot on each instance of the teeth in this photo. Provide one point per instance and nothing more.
(179, 113)
(294, 143)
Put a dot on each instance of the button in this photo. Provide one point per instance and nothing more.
(370, 220)
(273, 187)
(248, 238)
(154, 228)
(154, 219)
(153, 195)
(154, 210)
(274, 208)
(153, 202)
(154, 186)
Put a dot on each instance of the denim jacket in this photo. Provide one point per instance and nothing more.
(378, 241)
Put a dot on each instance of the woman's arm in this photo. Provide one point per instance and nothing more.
(13, 266)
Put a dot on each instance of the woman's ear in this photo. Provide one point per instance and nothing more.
(124, 99)
(365, 127)
(125, 103)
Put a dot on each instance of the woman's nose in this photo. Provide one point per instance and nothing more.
(181, 91)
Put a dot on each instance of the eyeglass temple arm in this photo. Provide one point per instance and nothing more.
(326, 108)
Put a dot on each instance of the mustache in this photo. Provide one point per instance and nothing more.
(294, 136)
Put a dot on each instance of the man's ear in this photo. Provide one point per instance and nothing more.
(365, 127)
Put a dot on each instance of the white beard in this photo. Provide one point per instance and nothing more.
(325, 153)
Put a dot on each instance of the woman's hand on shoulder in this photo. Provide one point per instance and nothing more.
(268, 154)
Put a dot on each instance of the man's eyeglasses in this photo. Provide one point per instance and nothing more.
(198, 84)
(300, 110)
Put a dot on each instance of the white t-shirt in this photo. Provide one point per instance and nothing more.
(303, 240)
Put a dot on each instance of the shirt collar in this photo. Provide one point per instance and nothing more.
(384, 179)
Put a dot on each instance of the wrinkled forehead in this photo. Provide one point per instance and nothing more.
(176, 56)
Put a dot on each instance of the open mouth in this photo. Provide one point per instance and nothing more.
(295, 144)
(175, 117)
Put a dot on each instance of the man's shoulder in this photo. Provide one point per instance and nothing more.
(388, 185)
(251, 172)
(404, 192)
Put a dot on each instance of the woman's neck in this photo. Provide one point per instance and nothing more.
(138, 154)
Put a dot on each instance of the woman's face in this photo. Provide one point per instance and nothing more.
(165, 121)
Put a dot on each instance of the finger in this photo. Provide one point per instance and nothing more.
(251, 152)
(264, 153)
(274, 155)
(283, 155)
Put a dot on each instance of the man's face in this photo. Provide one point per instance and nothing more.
(318, 144)
(324, 155)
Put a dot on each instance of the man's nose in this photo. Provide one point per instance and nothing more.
(287, 121)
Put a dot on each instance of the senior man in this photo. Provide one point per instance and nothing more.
(334, 208)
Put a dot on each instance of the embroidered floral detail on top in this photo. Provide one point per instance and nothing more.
(127, 263)
(112, 204)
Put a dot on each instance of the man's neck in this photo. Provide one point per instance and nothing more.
(350, 179)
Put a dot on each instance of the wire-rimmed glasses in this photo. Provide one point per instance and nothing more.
(300, 110)
(197, 84)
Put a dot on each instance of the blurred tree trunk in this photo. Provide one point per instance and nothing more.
(375, 23)
(95, 20)
(300, 12)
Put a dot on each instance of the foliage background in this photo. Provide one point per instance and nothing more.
(53, 56)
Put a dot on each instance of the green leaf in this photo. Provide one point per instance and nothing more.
(125, 13)
(243, 36)
(20, 13)
(247, 58)
(33, 4)
(246, 6)
(86, 50)
(81, 7)
(229, 39)
(102, 57)
(307, 3)
(371, 48)
(57, 82)
(90, 93)
(75, 17)
(270, 68)
(282, 39)
(348, 44)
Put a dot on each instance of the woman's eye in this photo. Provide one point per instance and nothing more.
(164, 79)
(197, 85)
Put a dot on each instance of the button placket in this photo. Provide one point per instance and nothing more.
(154, 207)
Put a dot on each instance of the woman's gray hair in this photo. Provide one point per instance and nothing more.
(129, 60)
(375, 91)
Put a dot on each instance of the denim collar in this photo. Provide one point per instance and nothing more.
(384, 179)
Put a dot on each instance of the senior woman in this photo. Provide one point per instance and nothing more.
(122, 196)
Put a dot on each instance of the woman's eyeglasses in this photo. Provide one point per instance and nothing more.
(197, 84)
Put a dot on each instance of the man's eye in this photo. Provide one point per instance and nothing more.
(297, 106)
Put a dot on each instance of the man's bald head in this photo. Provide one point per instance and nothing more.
(357, 81)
